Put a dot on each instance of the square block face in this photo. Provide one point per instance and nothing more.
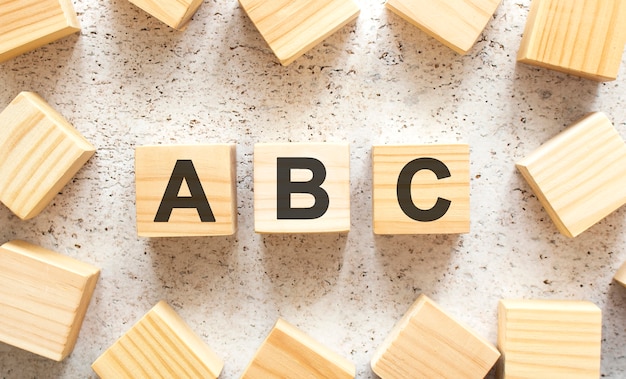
(421, 189)
(580, 175)
(428, 343)
(455, 23)
(186, 190)
(292, 27)
(549, 339)
(43, 297)
(175, 13)
(312, 194)
(39, 153)
(620, 276)
(583, 37)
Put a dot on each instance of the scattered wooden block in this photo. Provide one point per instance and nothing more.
(620, 276)
(414, 194)
(549, 339)
(43, 297)
(428, 343)
(175, 13)
(186, 190)
(584, 38)
(579, 175)
(287, 352)
(292, 27)
(160, 345)
(39, 153)
(301, 188)
(455, 23)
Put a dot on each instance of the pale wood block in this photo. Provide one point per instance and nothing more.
(583, 37)
(579, 176)
(160, 345)
(429, 343)
(39, 153)
(389, 161)
(292, 27)
(620, 276)
(43, 297)
(175, 13)
(549, 339)
(335, 157)
(212, 180)
(455, 23)
(287, 352)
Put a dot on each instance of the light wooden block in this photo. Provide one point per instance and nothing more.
(549, 339)
(428, 343)
(583, 37)
(455, 23)
(292, 27)
(425, 188)
(160, 345)
(336, 159)
(214, 166)
(580, 175)
(175, 13)
(43, 298)
(39, 153)
(287, 352)
(620, 276)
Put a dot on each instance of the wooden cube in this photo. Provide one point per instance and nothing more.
(583, 37)
(175, 13)
(43, 297)
(421, 189)
(301, 188)
(287, 352)
(160, 345)
(620, 276)
(292, 27)
(455, 23)
(29, 24)
(549, 339)
(39, 153)
(580, 175)
(428, 343)
(186, 190)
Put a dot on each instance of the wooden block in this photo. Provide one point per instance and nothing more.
(175, 13)
(186, 190)
(301, 188)
(620, 276)
(39, 153)
(580, 175)
(428, 343)
(43, 297)
(421, 189)
(583, 37)
(549, 339)
(292, 27)
(287, 352)
(455, 23)
(160, 345)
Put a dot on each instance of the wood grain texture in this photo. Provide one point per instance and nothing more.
(583, 37)
(428, 343)
(620, 276)
(292, 27)
(39, 153)
(549, 339)
(579, 175)
(175, 13)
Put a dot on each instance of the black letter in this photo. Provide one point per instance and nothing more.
(404, 189)
(285, 187)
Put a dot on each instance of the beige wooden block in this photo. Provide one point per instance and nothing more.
(425, 211)
(272, 198)
(205, 173)
(292, 27)
(428, 343)
(583, 37)
(620, 276)
(160, 345)
(455, 23)
(549, 339)
(580, 175)
(175, 13)
(287, 352)
(43, 298)
(39, 153)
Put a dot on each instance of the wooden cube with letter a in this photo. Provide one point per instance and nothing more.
(301, 188)
(175, 13)
(186, 190)
(421, 189)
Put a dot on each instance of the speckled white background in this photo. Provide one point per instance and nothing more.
(128, 80)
